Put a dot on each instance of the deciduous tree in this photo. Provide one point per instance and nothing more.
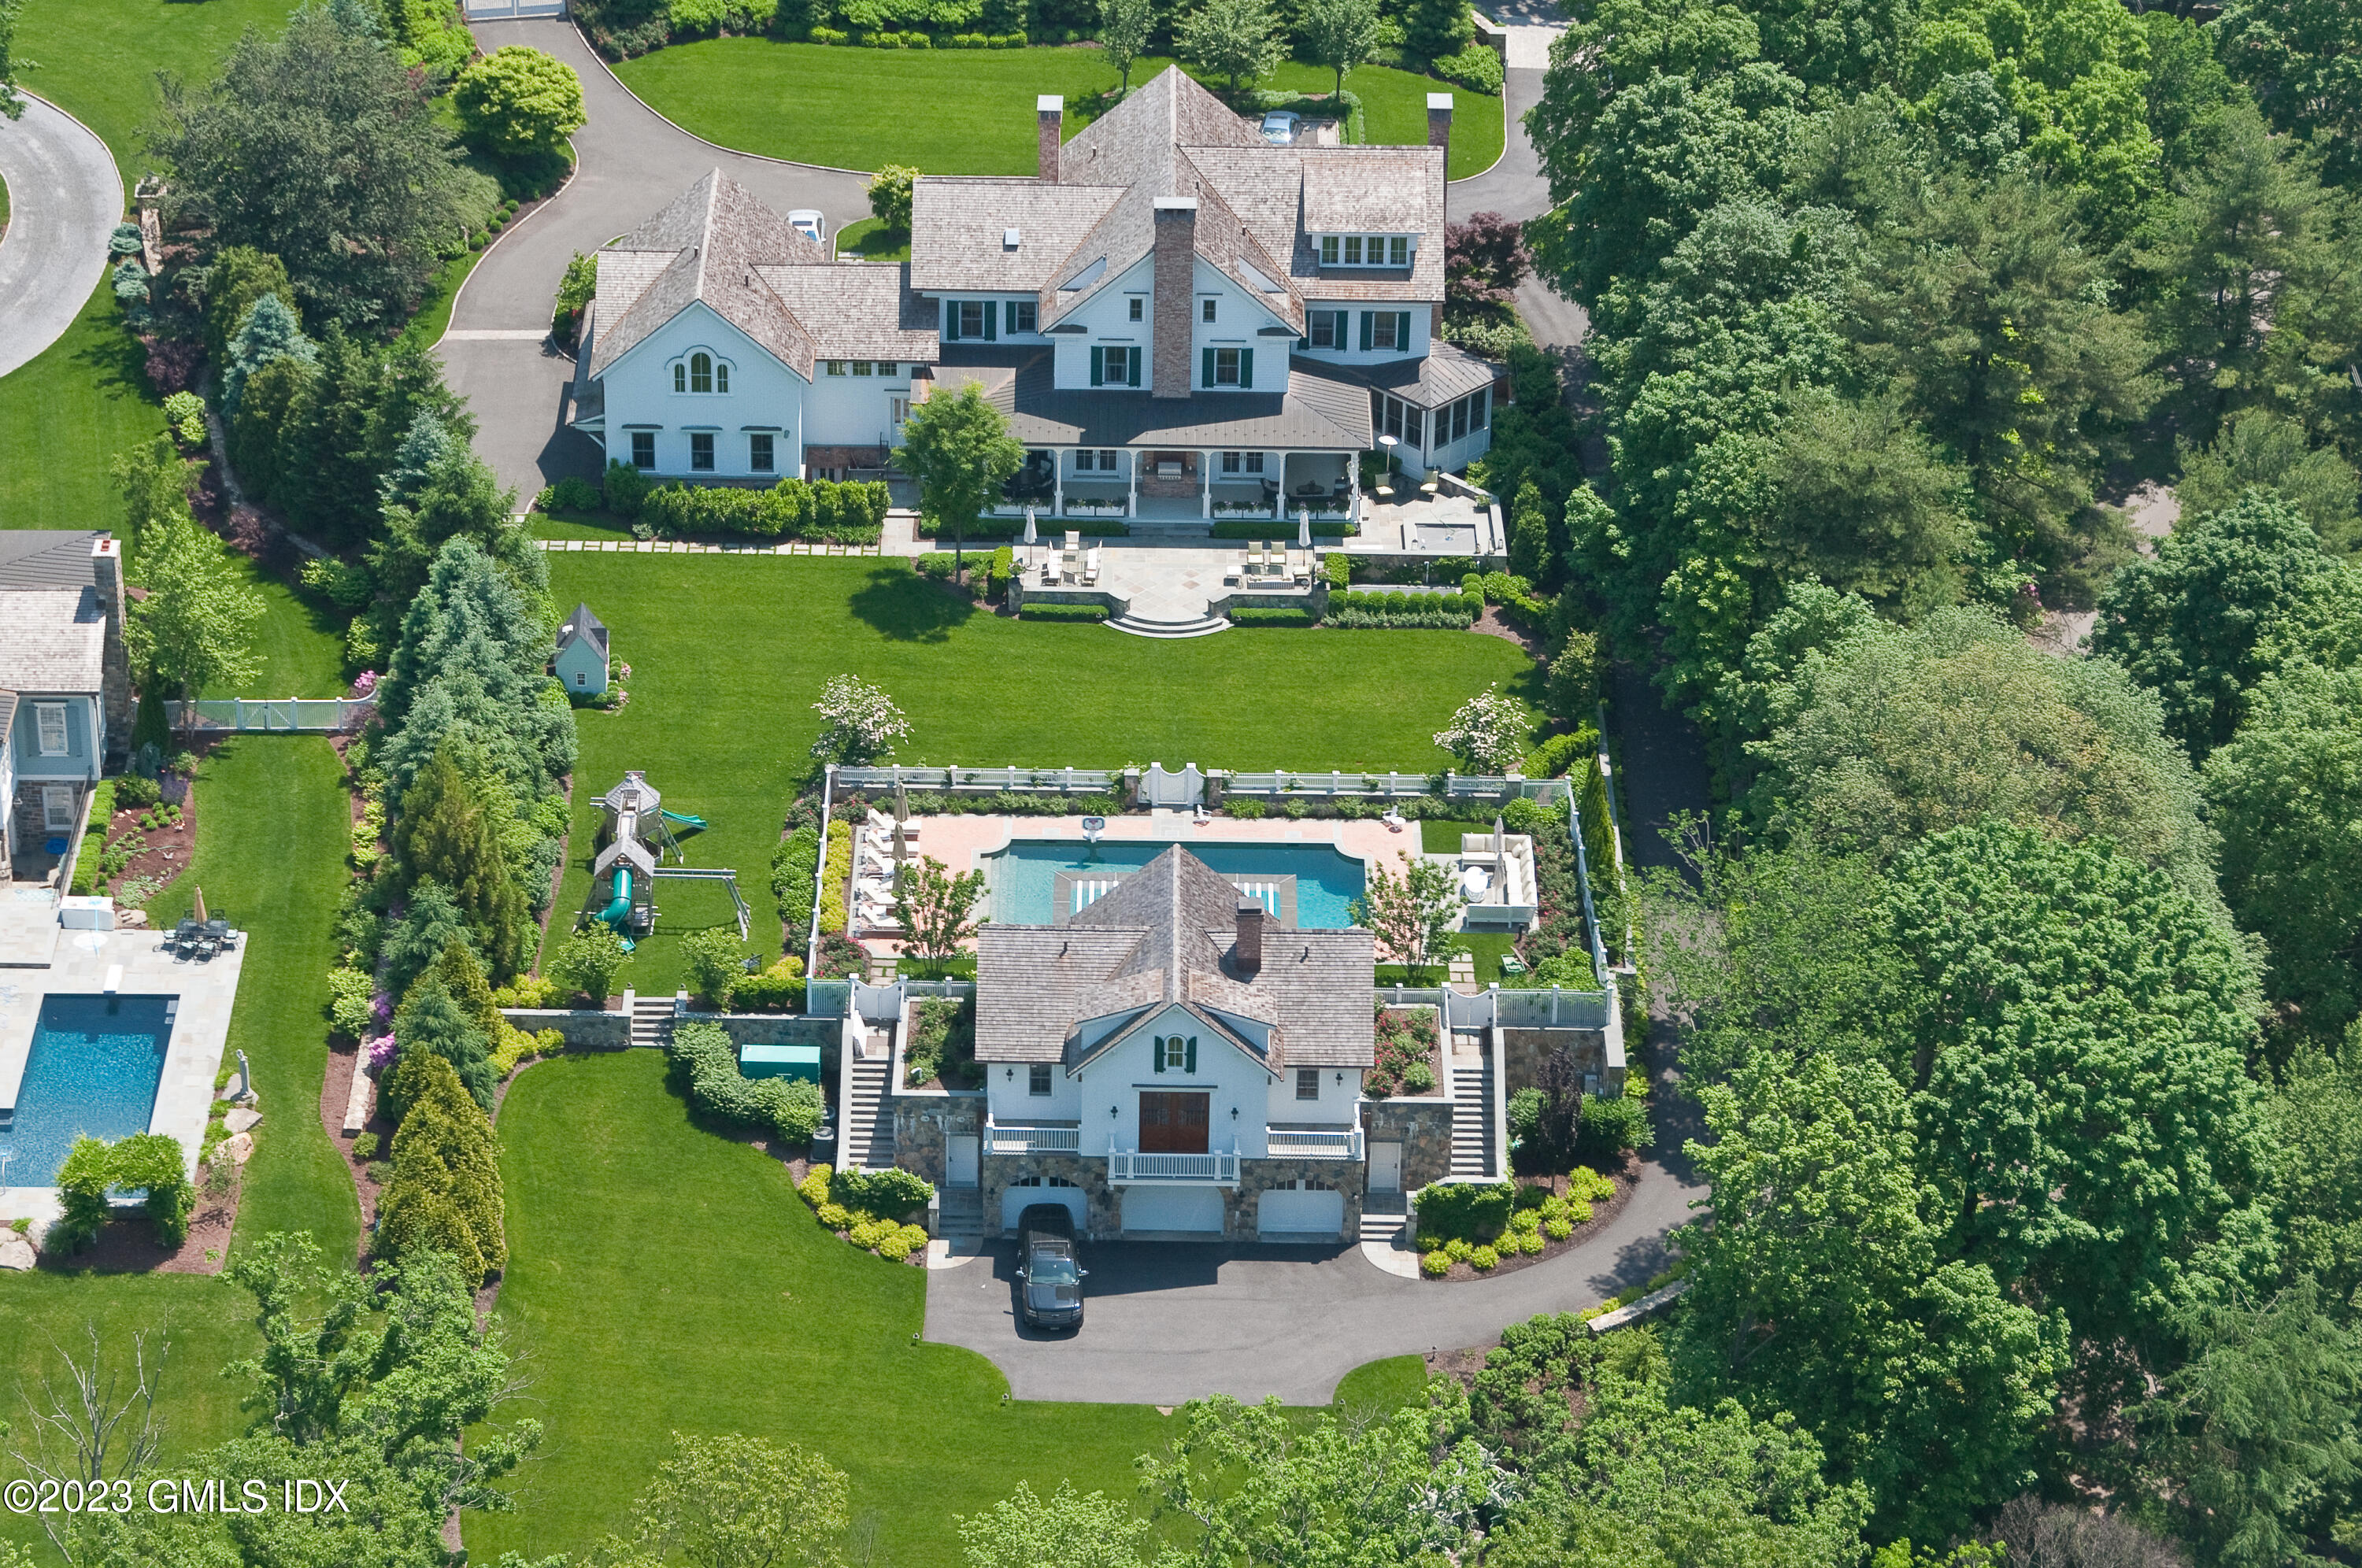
(195, 629)
(933, 908)
(1065, 1529)
(1232, 38)
(1124, 27)
(518, 101)
(862, 722)
(735, 1502)
(960, 451)
(1410, 914)
(1339, 34)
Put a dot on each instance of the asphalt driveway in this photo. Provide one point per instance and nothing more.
(65, 196)
(1171, 1321)
(630, 162)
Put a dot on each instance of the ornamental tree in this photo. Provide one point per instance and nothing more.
(1233, 38)
(12, 104)
(735, 1502)
(196, 628)
(156, 482)
(516, 101)
(1410, 914)
(1124, 27)
(863, 723)
(890, 196)
(713, 957)
(1489, 733)
(1484, 259)
(933, 907)
(960, 451)
(1065, 1529)
(588, 961)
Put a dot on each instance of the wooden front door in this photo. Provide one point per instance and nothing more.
(1172, 1123)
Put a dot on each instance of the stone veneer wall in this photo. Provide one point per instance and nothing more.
(777, 1029)
(584, 1030)
(925, 1123)
(1104, 1204)
(1103, 1216)
(1240, 1204)
(1523, 1051)
(1422, 1126)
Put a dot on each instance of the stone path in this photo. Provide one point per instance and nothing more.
(65, 196)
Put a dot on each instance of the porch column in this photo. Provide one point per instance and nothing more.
(1132, 481)
(1204, 484)
(1279, 497)
(1353, 487)
(1058, 481)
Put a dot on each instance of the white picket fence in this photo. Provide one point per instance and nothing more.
(942, 780)
(292, 715)
(512, 10)
(1186, 786)
(1547, 1009)
(1394, 786)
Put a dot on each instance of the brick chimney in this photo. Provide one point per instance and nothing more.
(1175, 287)
(1439, 123)
(1050, 118)
(115, 668)
(1246, 954)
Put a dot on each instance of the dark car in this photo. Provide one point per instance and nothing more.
(1049, 1279)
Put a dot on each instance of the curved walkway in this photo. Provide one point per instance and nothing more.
(65, 196)
(630, 162)
(1168, 1322)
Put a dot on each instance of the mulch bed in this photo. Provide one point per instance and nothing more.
(169, 848)
(1490, 624)
(1602, 1212)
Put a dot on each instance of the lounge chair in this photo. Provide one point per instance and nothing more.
(1091, 566)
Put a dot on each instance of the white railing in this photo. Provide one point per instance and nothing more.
(1393, 786)
(1000, 1138)
(1133, 1166)
(310, 715)
(1306, 1144)
(1508, 1009)
(1027, 780)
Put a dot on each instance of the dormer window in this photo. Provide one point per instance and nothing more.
(701, 373)
(1365, 251)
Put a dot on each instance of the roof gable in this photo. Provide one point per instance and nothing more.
(714, 234)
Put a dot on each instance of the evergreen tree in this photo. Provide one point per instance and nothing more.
(452, 829)
(268, 332)
(446, 1193)
(258, 433)
(426, 445)
(1434, 28)
(431, 1022)
(1529, 551)
(418, 937)
(239, 276)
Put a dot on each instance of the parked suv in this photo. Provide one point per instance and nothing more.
(1049, 1276)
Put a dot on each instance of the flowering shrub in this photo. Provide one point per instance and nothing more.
(1488, 733)
(863, 722)
(381, 1052)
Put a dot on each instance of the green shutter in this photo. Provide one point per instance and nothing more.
(1210, 369)
(1095, 354)
(1190, 1067)
(1367, 316)
(1402, 331)
(1131, 363)
(951, 320)
(1158, 1046)
(992, 320)
(1246, 366)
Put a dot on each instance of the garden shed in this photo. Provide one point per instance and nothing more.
(580, 659)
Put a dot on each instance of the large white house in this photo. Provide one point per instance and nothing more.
(1174, 310)
(65, 685)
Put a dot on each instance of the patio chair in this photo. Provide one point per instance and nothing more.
(1091, 566)
(1074, 537)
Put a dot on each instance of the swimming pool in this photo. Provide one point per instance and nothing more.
(93, 1069)
(1023, 877)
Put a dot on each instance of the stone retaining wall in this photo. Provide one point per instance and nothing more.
(1103, 1216)
(584, 1030)
(924, 1122)
(1523, 1051)
(1241, 1203)
(1422, 1126)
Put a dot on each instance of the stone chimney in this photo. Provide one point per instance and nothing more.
(1246, 954)
(1439, 123)
(1050, 117)
(1175, 288)
(115, 670)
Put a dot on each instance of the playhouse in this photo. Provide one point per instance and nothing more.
(637, 835)
(580, 659)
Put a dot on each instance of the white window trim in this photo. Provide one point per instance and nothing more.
(45, 716)
(56, 817)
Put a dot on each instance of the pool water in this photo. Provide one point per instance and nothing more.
(95, 1064)
(1022, 876)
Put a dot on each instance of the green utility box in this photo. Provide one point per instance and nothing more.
(779, 1062)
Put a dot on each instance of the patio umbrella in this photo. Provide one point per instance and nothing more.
(901, 815)
(1500, 860)
(198, 915)
(1030, 537)
(1304, 527)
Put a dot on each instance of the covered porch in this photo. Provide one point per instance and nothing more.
(1175, 485)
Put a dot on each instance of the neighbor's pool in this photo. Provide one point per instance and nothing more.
(94, 1067)
(1023, 876)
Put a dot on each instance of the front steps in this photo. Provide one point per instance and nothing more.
(1141, 626)
(1385, 1215)
(960, 1212)
(867, 1143)
(1473, 1154)
(652, 1021)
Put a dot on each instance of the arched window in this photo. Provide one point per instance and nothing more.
(700, 373)
(721, 377)
(681, 378)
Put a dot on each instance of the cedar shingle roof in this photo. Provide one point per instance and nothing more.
(704, 247)
(1163, 936)
(51, 639)
(47, 558)
(856, 310)
(1321, 410)
(957, 227)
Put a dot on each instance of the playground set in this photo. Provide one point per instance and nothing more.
(636, 837)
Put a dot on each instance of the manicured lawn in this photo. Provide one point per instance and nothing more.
(271, 836)
(1388, 1385)
(871, 240)
(99, 58)
(728, 654)
(433, 314)
(965, 111)
(663, 1279)
(66, 415)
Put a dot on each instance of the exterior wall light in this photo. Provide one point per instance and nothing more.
(1114, 1111)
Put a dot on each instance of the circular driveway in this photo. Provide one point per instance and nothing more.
(630, 162)
(65, 196)
(1169, 1322)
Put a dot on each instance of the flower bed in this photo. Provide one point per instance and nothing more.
(1466, 1229)
(871, 1209)
(1407, 1040)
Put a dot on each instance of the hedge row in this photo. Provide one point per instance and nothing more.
(1063, 613)
(988, 530)
(1431, 609)
(1265, 529)
(1265, 615)
(882, 39)
(847, 513)
(705, 1062)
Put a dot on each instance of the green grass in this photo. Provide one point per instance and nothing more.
(1441, 835)
(871, 240)
(271, 836)
(729, 652)
(434, 311)
(1388, 1385)
(965, 111)
(98, 59)
(665, 1279)
(68, 414)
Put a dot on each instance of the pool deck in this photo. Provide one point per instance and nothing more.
(962, 841)
(80, 964)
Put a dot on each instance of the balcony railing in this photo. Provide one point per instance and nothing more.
(1132, 1165)
(1309, 1144)
(1002, 1138)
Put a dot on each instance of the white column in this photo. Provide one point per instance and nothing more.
(1057, 482)
(1279, 497)
(1353, 486)
(1204, 484)
(1132, 481)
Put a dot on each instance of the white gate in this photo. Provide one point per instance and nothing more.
(1186, 787)
(512, 10)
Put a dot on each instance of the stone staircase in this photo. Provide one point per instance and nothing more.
(1384, 1215)
(1473, 1153)
(868, 1141)
(1196, 626)
(961, 1211)
(652, 1020)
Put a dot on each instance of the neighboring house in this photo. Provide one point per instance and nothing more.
(1173, 1061)
(1174, 309)
(65, 686)
(580, 660)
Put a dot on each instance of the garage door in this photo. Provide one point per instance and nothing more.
(1173, 1208)
(1287, 1212)
(1018, 1200)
